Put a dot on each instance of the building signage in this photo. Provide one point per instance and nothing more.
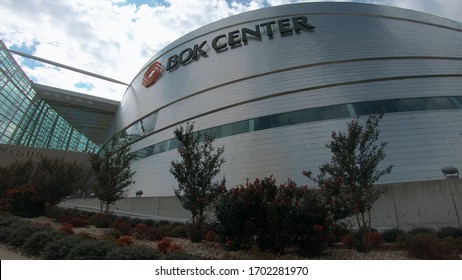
(223, 42)
(21, 153)
(152, 74)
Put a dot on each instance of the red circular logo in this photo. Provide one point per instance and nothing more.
(152, 74)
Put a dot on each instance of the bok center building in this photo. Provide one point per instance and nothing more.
(273, 84)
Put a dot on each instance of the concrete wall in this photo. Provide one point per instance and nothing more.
(156, 208)
(432, 204)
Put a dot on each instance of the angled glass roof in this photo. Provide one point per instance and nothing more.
(88, 114)
(40, 116)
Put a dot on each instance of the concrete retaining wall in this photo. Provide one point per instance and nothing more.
(432, 204)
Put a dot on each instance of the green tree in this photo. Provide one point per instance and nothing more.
(113, 173)
(31, 187)
(199, 164)
(55, 179)
(349, 178)
(17, 174)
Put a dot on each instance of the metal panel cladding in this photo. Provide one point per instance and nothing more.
(273, 84)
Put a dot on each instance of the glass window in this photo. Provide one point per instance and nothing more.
(226, 130)
(149, 123)
(375, 107)
(263, 123)
(240, 127)
(214, 131)
(410, 104)
(438, 103)
(389, 106)
(362, 109)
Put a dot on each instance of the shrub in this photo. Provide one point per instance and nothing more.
(272, 217)
(195, 234)
(89, 250)
(6, 221)
(211, 235)
(67, 229)
(6, 226)
(86, 235)
(337, 231)
(428, 246)
(36, 243)
(164, 245)
(179, 256)
(391, 235)
(142, 231)
(348, 241)
(124, 226)
(376, 239)
(101, 221)
(179, 231)
(110, 237)
(132, 253)
(19, 232)
(125, 240)
(449, 232)
(174, 248)
(58, 249)
(79, 221)
(156, 234)
(165, 228)
(418, 230)
(22, 201)
(135, 221)
(150, 223)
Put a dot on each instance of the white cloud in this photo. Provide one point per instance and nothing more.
(116, 39)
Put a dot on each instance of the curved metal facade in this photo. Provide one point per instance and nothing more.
(274, 101)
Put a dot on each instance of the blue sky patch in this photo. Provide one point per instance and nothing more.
(84, 85)
(151, 3)
(30, 63)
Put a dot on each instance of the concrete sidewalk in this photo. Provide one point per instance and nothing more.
(8, 254)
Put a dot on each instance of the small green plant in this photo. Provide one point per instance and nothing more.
(19, 232)
(142, 231)
(123, 226)
(391, 235)
(348, 241)
(80, 221)
(449, 232)
(179, 231)
(211, 235)
(36, 243)
(132, 253)
(101, 221)
(376, 239)
(418, 230)
(89, 250)
(58, 248)
(196, 234)
(428, 246)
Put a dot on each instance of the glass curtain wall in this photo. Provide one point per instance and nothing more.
(27, 120)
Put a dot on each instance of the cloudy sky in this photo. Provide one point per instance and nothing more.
(116, 38)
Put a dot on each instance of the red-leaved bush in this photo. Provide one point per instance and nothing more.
(125, 240)
(67, 228)
(167, 246)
